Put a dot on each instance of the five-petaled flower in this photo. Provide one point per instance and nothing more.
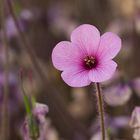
(88, 57)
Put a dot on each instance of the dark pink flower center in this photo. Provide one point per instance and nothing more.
(90, 62)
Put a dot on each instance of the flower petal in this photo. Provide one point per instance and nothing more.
(110, 45)
(65, 54)
(103, 72)
(76, 77)
(87, 37)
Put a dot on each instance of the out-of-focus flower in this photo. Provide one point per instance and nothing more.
(117, 95)
(87, 58)
(46, 131)
(135, 118)
(135, 123)
(40, 110)
(11, 27)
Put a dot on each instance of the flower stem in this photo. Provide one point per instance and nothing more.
(100, 109)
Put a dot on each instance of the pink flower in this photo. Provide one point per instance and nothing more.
(87, 58)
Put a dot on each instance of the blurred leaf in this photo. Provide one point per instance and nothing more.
(27, 105)
(33, 123)
(33, 101)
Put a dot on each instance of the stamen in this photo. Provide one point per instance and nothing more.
(89, 62)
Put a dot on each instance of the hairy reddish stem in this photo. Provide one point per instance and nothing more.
(100, 109)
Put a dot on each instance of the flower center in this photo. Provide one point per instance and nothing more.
(90, 62)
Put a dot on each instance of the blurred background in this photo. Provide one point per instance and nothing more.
(29, 30)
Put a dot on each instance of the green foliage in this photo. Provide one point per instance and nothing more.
(32, 121)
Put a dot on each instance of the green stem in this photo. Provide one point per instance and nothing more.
(33, 128)
(100, 109)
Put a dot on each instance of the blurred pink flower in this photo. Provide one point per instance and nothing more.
(135, 118)
(87, 58)
(135, 122)
(117, 95)
(39, 111)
